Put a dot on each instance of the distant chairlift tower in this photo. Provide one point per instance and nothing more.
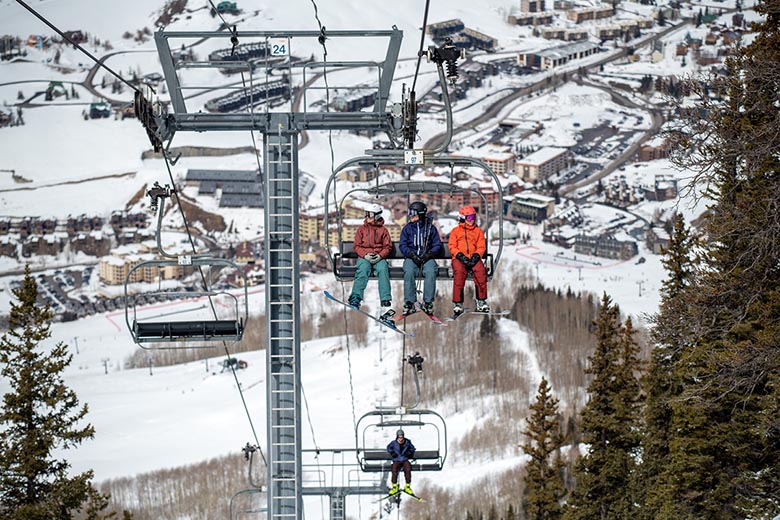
(280, 154)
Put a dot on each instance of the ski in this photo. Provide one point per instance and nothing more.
(419, 499)
(387, 324)
(401, 316)
(397, 496)
(469, 311)
(432, 317)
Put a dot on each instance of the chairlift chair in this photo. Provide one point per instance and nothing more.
(430, 454)
(343, 261)
(206, 332)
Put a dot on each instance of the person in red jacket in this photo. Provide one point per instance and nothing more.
(372, 245)
(468, 247)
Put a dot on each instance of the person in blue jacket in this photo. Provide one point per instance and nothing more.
(401, 450)
(419, 244)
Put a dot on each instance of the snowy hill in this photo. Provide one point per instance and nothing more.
(188, 413)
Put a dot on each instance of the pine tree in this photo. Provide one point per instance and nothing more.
(40, 414)
(671, 335)
(609, 423)
(725, 457)
(543, 484)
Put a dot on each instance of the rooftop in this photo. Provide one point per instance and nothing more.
(542, 156)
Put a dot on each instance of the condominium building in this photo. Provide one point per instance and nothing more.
(542, 163)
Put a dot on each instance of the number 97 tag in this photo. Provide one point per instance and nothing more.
(279, 47)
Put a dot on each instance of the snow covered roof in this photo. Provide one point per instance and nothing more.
(564, 51)
(542, 155)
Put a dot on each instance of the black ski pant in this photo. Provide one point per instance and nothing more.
(407, 466)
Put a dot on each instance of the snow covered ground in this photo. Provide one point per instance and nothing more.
(188, 413)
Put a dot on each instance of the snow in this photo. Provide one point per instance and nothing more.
(191, 412)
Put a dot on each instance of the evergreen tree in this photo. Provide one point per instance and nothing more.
(725, 457)
(609, 423)
(39, 415)
(671, 335)
(543, 484)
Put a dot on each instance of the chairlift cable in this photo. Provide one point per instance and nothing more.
(79, 47)
(211, 302)
(422, 43)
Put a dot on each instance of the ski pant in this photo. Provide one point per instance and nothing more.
(406, 465)
(410, 280)
(459, 274)
(362, 273)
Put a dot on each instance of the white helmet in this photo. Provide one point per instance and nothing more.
(374, 209)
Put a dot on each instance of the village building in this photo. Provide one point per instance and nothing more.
(93, 243)
(530, 207)
(553, 57)
(583, 14)
(533, 19)
(606, 246)
(441, 30)
(542, 163)
(532, 6)
(657, 240)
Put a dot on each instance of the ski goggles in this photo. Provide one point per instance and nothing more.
(371, 214)
(468, 218)
(415, 213)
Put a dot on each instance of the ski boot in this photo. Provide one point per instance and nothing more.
(354, 301)
(427, 307)
(457, 309)
(409, 308)
(482, 306)
(388, 313)
(393, 490)
(408, 489)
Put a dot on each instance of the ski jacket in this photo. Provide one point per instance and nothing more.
(467, 239)
(373, 238)
(401, 452)
(420, 237)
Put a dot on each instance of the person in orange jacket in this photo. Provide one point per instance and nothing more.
(468, 247)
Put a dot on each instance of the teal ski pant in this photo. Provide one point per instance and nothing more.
(410, 280)
(362, 273)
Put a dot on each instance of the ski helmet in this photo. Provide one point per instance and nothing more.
(418, 208)
(373, 210)
(467, 213)
(399, 433)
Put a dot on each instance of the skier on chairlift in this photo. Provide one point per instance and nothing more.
(401, 450)
(420, 243)
(372, 245)
(467, 246)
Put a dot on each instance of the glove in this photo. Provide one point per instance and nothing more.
(463, 259)
(373, 258)
(474, 259)
(417, 259)
(426, 256)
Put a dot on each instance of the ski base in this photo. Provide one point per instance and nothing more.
(389, 324)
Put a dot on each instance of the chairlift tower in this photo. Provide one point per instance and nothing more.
(280, 155)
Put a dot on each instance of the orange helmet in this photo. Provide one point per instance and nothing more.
(467, 213)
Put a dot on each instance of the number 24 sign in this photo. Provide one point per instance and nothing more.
(279, 47)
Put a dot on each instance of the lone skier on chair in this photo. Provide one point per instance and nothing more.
(401, 450)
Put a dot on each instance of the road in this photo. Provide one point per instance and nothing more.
(657, 121)
(550, 81)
